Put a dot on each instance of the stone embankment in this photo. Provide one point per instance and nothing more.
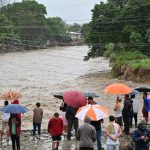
(138, 75)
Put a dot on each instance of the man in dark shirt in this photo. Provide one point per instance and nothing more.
(97, 125)
(72, 120)
(127, 113)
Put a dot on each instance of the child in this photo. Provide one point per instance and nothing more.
(55, 129)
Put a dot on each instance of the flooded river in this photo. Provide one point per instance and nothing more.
(39, 74)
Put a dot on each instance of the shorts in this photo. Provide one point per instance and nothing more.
(63, 116)
(56, 138)
(112, 147)
(145, 114)
(118, 120)
(4, 126)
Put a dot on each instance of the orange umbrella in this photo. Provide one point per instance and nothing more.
(11, 95)
(117, 88)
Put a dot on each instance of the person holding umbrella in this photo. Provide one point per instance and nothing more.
(15, 129)
(118, 111)
(145, 109)
(72, 120)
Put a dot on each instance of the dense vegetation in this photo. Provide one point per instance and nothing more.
(25, 23)
(120, 30)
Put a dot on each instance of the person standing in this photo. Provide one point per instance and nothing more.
(63, 115)
(118, 112)
(86, 134)
(5, 118)
(55, 129)
(127, 114)
(37, 119)
(135, 109)
(72, 120)
(15, 129)
(97, 126)
(91, 101)
(17, 102)
(145, 109)
(141, 136)
(113, 132)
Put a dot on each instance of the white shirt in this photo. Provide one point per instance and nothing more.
(5, 116)
(109, 141)
(135, 105)
(118, 112)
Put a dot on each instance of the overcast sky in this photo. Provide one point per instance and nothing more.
(71, 11)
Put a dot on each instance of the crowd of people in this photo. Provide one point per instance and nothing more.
(90, 131)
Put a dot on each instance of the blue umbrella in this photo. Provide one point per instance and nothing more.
(14, 109)
(134, 92)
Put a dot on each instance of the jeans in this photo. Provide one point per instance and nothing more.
(112, 147)
(135, 119)
(127, 122)
(86, 148)
(98, 137)
(15, 142)
(37, 125)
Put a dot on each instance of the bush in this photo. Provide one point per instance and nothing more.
(131, 58)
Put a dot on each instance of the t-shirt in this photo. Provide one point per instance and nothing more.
(146, 105)
(114, 133)
(5, 116)
(97, 125)
(37, 115)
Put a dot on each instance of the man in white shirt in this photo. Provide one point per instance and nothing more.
(113, 132)
(5, 118)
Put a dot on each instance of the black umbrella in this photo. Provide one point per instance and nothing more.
(89, 94)
(143, 89)
(58, 95)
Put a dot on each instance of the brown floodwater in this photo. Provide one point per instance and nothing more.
(39, 74)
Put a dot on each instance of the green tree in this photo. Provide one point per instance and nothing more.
(74, 28)
(119, 22)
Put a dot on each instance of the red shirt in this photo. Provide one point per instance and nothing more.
(55, 126)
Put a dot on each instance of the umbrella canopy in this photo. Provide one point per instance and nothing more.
(143, 89)
(58, 95)
(11, 95)
(89, 94)
(75, 99)
(14, 109)
(134, 92)
(117, 88)
(86, 94)
(94, 112)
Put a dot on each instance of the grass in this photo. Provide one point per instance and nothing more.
(141, 63)
(134, 59)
